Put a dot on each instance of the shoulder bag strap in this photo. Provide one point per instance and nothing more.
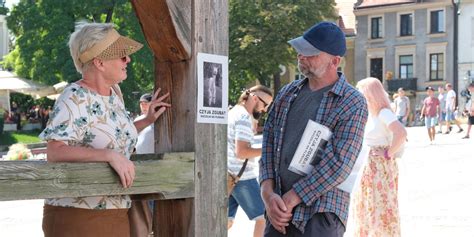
(117, 91)
(243, 168)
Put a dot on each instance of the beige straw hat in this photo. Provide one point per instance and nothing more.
(113, 46)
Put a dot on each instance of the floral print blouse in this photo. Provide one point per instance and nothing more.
(86, 119)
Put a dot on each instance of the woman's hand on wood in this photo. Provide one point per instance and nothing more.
(157, 106)
(124, 168)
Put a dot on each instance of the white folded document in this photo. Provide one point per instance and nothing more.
(312, 145)
(311, 148)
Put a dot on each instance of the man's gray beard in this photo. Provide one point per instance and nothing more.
(313, 73)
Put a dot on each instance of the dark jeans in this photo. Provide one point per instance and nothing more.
(324, 224)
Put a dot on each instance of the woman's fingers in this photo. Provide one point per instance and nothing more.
(128, 175)
(123, 179)
(124, 168)
(133, 171)
(163, 97)
(160, 111)
(157, 92)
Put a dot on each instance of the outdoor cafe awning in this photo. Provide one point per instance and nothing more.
(10, 81)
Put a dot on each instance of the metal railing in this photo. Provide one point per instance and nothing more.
(406, 83)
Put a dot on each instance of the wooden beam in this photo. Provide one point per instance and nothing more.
(166, 25)
(210, 36)
(172, 178)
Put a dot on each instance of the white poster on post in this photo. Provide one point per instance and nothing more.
(213, 84)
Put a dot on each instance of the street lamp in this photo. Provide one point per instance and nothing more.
(456, 12)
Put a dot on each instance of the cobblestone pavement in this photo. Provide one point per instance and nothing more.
(436, 184)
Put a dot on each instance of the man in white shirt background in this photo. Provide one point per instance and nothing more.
(450, 108)
(469, 110)
(402, 107)
(146, 138)
(442, 108)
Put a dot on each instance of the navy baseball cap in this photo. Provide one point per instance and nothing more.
(324, 36)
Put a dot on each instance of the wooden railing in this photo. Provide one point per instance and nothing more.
(166, 176)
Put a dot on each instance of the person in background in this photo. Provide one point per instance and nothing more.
(251, 105)
(312, 205)
(392, 104)
(374, 204)
(442, 107)
(450, 109)
(470, 110)
(141, 214)
(430, 111)
(89, 123)
(146, 138)
(402, 107)
(44, 116)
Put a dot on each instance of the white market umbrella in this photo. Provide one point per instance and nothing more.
(11, 82)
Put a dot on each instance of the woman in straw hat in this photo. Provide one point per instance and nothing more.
(89, 123)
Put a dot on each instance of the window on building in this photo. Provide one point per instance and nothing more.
(436, 66)
(437, 21)
(406, 66)
(406, 24)
(376, 68)
(376, 28)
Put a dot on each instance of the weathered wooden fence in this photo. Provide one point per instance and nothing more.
(167, 176)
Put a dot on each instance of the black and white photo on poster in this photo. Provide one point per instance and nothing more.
(212, 72)
(212, 85)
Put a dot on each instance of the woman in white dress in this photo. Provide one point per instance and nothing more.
(374, 205)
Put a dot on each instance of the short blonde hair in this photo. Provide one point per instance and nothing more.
(374, 93)
(83, 38)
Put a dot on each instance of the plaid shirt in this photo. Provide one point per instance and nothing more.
(344, 110)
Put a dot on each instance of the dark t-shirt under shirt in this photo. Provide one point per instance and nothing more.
(302, 109)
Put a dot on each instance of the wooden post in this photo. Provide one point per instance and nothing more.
(176, 30)
(210, 35)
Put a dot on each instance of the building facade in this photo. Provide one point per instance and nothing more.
(405, 44)
(3, 37)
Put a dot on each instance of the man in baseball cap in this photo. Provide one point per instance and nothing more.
(323, 37)
(145, 100)
(309, 202)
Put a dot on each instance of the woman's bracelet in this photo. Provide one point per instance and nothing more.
(385, 155)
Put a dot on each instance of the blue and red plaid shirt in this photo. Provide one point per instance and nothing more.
(343, 109)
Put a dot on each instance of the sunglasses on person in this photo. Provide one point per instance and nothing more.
(265, 104)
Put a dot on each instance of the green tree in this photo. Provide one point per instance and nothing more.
(42, 28)
(259, 31)
(3, 9)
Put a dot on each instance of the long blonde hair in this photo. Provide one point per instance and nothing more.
(377, 98)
